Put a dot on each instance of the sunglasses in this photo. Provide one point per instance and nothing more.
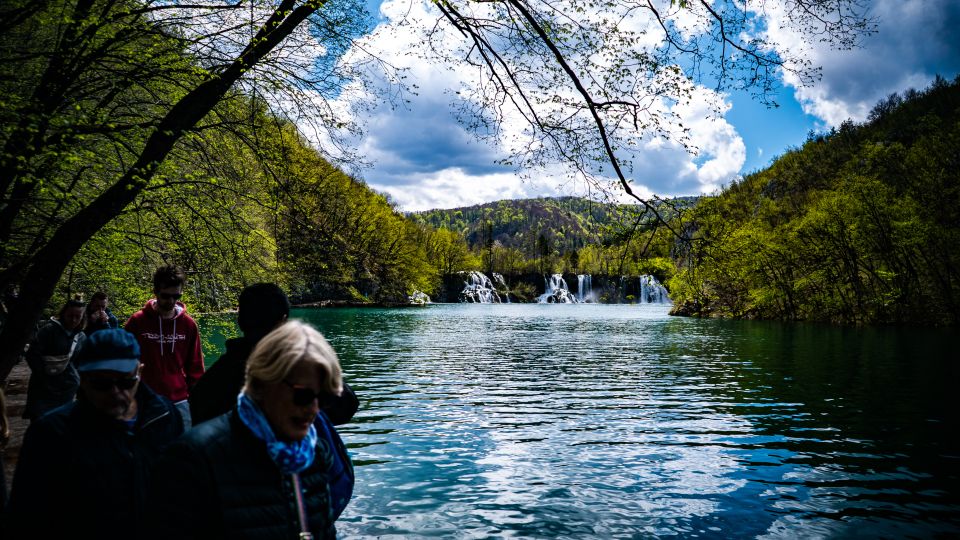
(303, 396)
(166, 296)
(105, 384)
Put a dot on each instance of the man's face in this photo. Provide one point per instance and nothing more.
(167, 298)
(98, 304)
(111, 392)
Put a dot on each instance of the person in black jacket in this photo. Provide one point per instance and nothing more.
(273, 467)
(99, 316)
(53, 377)
(83, 470)
(262, 307)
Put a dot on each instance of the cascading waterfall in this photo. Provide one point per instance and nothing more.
(585, 288)
(479, 290)
(501, 284)
(557, 292)
(652, 292)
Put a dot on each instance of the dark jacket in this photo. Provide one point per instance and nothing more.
(216, 391)
(81, 474)
(111, 322)
(52, 381)
(218, 481)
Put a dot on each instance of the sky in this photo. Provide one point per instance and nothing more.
(423, 158)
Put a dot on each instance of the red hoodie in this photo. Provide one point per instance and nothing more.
(169, 350)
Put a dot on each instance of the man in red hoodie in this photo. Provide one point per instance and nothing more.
(169, 341)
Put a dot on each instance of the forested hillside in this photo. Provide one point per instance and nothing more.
(318, 232)
(859, 225)
(565, 234)
(238, 197)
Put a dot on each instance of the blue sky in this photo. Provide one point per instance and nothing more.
(423, 158)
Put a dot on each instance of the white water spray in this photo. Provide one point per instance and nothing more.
(557, 292)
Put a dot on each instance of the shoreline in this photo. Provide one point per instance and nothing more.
(353, 304)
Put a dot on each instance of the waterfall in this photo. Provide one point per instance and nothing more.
(501, 284)
(557, 291)
(585, 288)
(479, 290)
(651, 291)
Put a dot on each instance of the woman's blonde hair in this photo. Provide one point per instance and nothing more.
(289, 344)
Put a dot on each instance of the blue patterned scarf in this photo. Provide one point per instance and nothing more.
(291, 457)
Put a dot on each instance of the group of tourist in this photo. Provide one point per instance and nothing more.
(131, 438)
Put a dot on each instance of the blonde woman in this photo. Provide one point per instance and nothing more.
(274, 467)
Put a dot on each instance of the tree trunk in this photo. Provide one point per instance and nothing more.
(47, 265)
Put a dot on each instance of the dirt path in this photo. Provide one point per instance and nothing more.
(16, 391)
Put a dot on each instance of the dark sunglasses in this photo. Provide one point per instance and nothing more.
(166, 296)
(105, 384)
(303, 396)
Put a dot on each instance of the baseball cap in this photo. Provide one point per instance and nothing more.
(108, 350)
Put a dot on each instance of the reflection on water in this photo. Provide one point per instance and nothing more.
(537, 421)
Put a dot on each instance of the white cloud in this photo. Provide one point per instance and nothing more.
(453, 187)
(916, 39)
(424, 158)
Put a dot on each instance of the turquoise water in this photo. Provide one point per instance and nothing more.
(613, 421)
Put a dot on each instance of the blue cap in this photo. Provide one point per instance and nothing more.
(108, 350)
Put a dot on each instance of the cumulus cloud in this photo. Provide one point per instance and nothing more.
(424, 158)
(455, 187)
(916, 40)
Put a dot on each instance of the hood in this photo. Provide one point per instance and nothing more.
(150, 308)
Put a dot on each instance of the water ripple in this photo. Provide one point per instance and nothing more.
(621, 422)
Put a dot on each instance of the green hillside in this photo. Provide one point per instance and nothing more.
(566, 223)
(565, 234)
(859, 225)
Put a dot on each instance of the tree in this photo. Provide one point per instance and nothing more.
(110, 69)
(589, 81)
(106, 90)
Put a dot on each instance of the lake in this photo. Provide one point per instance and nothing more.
(619, 421)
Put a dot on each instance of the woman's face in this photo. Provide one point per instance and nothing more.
(291, 421)
(71, 317)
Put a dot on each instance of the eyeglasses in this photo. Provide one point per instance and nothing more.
(105, 384)
(303, 396)
(167, 296)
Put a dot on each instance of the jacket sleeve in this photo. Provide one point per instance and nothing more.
(193, 364)
(182, 499)
(36, 349)
(211, 396)
(37, 484)
(342, 408)
(131, 325)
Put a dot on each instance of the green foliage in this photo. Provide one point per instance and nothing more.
(567, 234)
(337, 239)
(860, 225)
(240, 197)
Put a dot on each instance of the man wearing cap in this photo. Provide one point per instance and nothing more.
(83, 467)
